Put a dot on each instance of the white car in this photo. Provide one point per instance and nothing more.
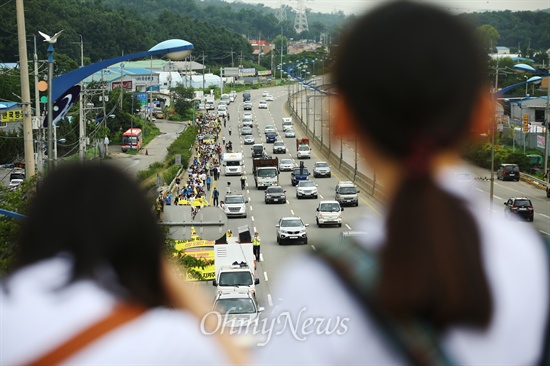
(248, 121)
(290, 133)
(291, 229)
(262, 104)
(247, 106)
(248, 140)
(286, 165)
(265, 94)
(279, 147)
(329, 213)
(269, 128)
(237, 309)
(15, 183)
(234, 205)
(305, 189)
(321, 169)
(304, 152)
(269, 98)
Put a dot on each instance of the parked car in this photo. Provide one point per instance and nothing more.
(279, 147)
(508, 172)
(290, 133)
(519, 207)
(306, 189)
(321, 169)
(275, 194)
(291, 229)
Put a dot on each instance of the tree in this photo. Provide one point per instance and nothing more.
(182, 100)
(488, 36)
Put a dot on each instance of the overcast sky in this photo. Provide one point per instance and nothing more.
(358, 6)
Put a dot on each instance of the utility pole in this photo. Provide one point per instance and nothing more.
(25, 90)
(40, 142)
(82, 124)
(203, 69)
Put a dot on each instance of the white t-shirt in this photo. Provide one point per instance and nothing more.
(35, 318)
(343, 334)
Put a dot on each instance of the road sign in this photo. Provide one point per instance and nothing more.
(525, 123)
(210, 223)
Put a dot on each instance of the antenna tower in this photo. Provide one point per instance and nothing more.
(300, 22)
(281, 13)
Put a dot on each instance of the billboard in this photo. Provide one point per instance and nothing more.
(12, 116)
(127, 84)
(248, 72)
(231, 71)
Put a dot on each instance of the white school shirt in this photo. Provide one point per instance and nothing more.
(36, 315)
(342, 334)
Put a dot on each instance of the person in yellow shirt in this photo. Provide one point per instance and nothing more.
(256, 241)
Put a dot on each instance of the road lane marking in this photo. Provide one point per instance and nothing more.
(313, 247)
(348, 227)
(321, 197)
(269, 300)
(261, 257)
(265, 277)
(543, 215)
(252, 218)
(292, 212)
(251, 209)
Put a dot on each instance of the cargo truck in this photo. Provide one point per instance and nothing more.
(266, 172)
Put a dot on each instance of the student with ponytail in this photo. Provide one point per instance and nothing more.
(439, 279)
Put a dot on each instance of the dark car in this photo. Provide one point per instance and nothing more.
(508, 172)
(519, 207)
(271, 137)
(275, 194)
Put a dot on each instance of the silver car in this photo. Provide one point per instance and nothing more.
(291, 229)
(290, 133)
(321, 169)
(279, 147)
(246, 130)
(234, 205)
(248, 140)
(286, 165)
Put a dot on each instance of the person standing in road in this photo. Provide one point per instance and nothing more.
(243, 182)
(256, 241)
(215, 196)
(425, 286)
(229, 130)
(228, 188)
(208, 181)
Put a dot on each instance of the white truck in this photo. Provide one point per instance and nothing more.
(233, 163)
(266, 172)
(235, 264)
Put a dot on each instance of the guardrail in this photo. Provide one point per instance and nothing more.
(538, 182)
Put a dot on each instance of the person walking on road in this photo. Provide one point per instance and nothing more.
(228, 188)
(229, 130)
(243, 181)
(208, 181)
(256, 241)
(215, 196)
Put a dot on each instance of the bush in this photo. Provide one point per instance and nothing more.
(150, 171)
(170, 173)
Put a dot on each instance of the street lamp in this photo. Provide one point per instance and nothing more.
(524, 68)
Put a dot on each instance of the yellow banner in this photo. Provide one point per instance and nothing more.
(12, 116)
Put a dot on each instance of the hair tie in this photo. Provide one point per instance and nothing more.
(417, 164)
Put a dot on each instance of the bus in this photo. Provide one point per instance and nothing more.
(131, 139)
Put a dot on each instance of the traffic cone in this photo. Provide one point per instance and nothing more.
(146, 152)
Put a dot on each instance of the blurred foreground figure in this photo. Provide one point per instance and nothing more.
(439, 279)
(90, 285)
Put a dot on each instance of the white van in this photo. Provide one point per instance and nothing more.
(287, 123)
(329, 213)
(233, 163)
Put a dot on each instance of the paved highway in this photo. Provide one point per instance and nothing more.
(263, 218)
